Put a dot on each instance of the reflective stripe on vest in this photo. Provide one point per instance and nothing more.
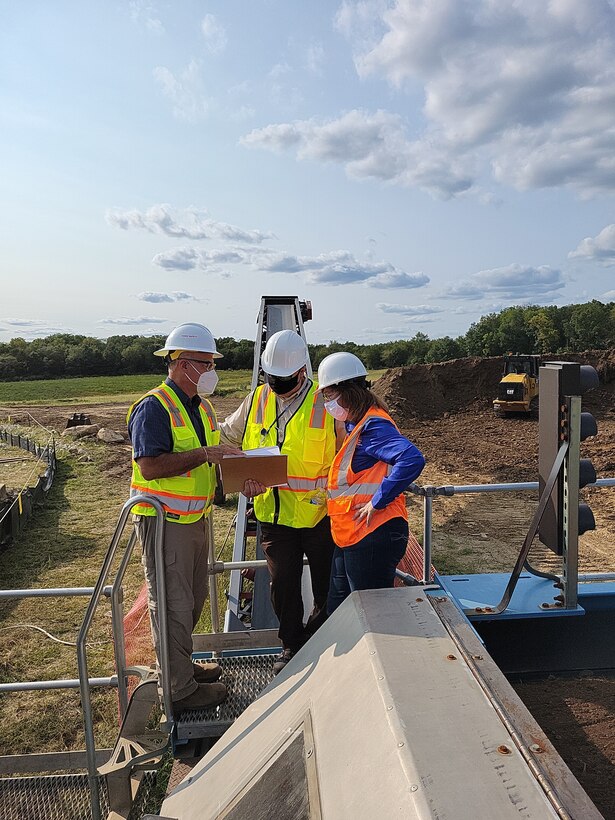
(188, 497)
(347, 491)
(309, 443)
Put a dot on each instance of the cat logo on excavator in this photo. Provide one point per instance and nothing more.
(518, 389)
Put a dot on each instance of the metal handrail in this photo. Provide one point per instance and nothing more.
(84, 681)
(429, 492)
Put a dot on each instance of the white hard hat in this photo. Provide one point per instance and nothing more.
(285, 353)
(190, 336)
(340, 367)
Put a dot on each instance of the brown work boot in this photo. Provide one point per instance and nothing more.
(207, 694)
(206, 672)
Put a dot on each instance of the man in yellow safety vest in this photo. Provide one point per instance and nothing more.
(287, 411)
(175, 439)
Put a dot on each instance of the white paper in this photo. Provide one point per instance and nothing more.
(263, 451)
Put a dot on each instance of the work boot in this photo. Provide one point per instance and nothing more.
(282, 660)
(206, 672)
(207, 694)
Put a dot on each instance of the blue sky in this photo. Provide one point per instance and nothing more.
(408, 165)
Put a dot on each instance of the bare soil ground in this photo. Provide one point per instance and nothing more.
(446, 411)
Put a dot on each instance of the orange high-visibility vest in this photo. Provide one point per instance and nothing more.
(185, 498)
(347, 491)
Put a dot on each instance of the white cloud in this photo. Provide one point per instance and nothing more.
(133, 320)
(191, 223)
(520, 284)
(398, 279)
(185, 91)
(214, 34)
(521, 281)
(368, 146)
(188, 258)
(145, 13)
(465, 290)
(409, 310)
(609, 296)
(29, 328)
(340, 268)
(601, 247)
(156, 297)
(523, 93)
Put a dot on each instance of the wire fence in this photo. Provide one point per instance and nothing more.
(17, 509)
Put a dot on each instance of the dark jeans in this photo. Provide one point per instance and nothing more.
(284, 548)
(368, 564)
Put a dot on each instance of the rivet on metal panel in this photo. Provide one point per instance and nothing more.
(372, 652)
(400, 745)
(380, 677)
(478, 609)
(310, 752)
(477, 657)
(488, 609)
(452, 657)
(389, 708)
(414, 788)
(536, 748)
(504, 750)
(441, 600)
(419, 600)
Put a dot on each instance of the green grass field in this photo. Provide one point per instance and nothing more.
(105, 388)
(99, 389)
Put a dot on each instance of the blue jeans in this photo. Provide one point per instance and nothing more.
(368, 564)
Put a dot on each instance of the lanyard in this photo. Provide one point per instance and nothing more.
(290, 406)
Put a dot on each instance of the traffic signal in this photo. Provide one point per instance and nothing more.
(562, 423)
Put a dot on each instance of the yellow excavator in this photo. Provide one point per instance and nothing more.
(518, 388)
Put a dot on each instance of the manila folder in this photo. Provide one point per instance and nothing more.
(269, 470)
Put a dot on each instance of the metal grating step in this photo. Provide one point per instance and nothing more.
(245, 676)
(54, 797)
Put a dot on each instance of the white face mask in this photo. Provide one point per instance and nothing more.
(336, 410)
(206, 383)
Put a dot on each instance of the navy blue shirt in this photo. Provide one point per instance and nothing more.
(149, 427)
(380, 440)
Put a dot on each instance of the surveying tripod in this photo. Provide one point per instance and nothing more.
(276, 313)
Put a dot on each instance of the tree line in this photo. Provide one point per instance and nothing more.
(532, 329)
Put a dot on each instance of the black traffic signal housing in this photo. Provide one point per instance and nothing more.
(561, 422)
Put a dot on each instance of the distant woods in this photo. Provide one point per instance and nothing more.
(533, 329)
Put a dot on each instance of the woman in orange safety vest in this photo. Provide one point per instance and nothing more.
(368, 476)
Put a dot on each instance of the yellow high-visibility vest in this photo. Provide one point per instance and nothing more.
(185, 498)
(309, 443)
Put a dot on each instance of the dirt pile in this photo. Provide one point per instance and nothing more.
(431, 390)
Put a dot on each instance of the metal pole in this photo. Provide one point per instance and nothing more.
(58, 592)
(82, 663)
(163, 626)
(69, 683)
(117, 625)
(213, 586)
(597, 576)
(427, 523)
(570, 492)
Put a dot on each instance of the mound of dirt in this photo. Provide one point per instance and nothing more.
(431, 390)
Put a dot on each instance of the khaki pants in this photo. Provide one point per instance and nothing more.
(185, 556)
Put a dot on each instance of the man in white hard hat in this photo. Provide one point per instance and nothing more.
(286, 411)
(175, 440)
